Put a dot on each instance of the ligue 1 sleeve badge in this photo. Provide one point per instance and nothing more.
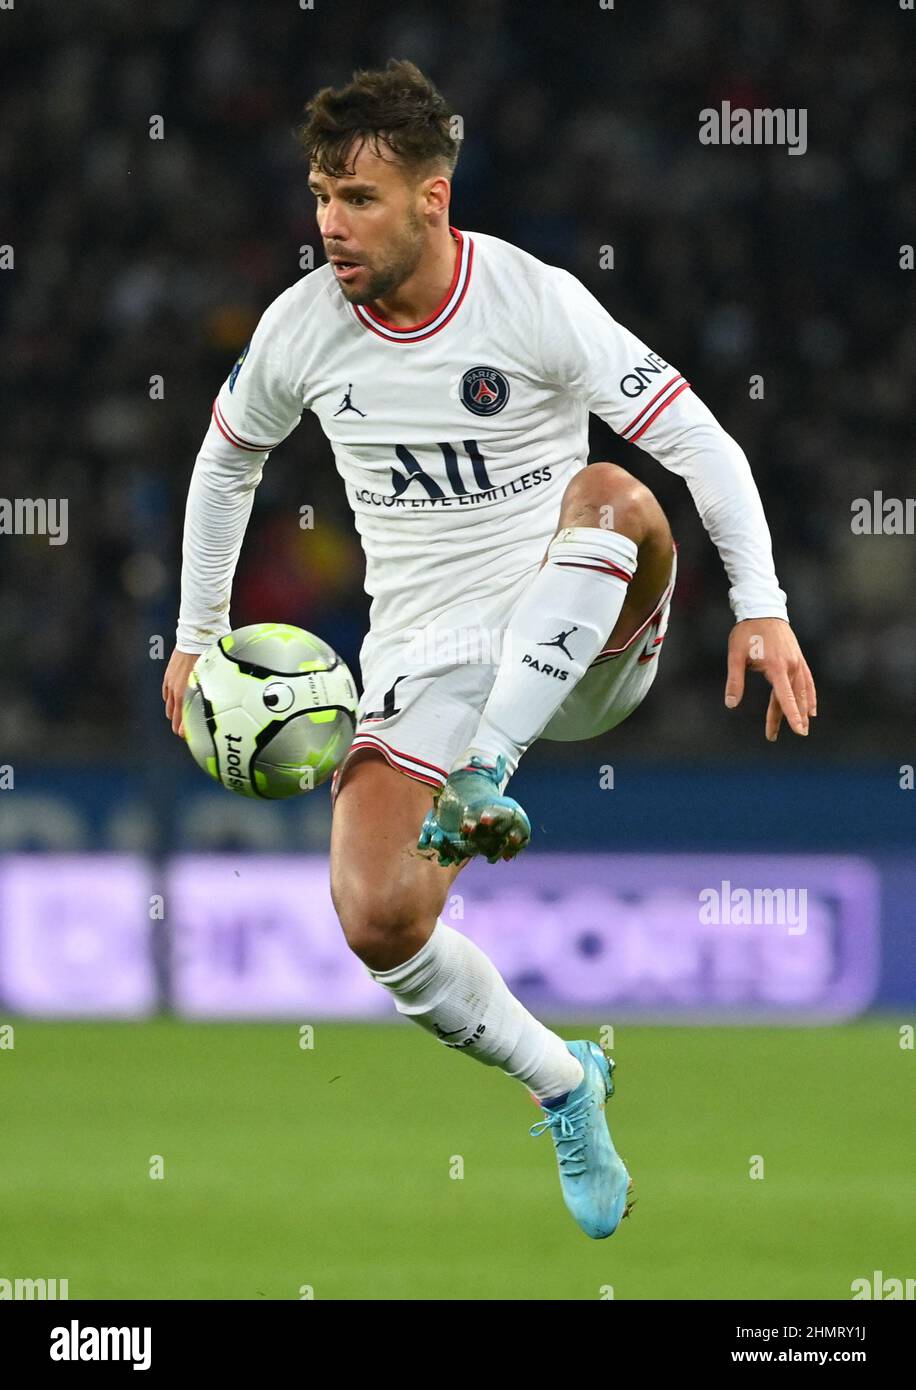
(238, 366)
(484, 390)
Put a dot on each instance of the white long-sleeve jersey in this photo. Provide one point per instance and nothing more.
(456, 438)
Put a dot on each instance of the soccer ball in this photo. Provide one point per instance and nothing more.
(269, 711)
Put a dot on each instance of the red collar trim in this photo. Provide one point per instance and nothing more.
(454, 296)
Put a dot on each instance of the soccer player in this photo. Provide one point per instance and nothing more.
(516, 593)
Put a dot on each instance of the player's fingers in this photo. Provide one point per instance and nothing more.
(173, 710)
(734, 683)
(774, 718)
(800, 691)
(812, 689)
(789, 705)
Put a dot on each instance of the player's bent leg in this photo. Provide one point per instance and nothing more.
(620, 677)
(389, 900)
(606, 565)
(606, 496)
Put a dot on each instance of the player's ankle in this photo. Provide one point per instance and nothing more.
(489, 745)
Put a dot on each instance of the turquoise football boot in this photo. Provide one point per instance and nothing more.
(470, 816)
(596, 1185)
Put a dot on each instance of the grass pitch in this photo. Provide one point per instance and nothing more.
(334, 1169)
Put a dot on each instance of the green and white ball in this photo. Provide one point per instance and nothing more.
(270, 711)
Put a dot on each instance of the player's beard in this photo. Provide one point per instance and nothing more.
(398, 265)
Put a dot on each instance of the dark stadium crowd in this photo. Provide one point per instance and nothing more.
(154, 199)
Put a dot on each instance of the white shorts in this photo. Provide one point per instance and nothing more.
(425, 693)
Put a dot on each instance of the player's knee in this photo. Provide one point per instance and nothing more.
(607, 496)
(378, 917)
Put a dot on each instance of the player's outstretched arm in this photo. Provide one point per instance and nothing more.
(218, 507)
(688, 440)
(256, 408)
(649, 403)
(770, 646)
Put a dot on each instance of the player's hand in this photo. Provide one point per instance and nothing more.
(174, 685)
(769, 645)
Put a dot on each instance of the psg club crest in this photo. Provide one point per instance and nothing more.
(484, 390)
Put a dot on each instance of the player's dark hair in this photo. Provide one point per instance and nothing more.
(395, 104)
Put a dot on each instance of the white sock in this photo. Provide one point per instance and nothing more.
(577, 596)
(453, 990)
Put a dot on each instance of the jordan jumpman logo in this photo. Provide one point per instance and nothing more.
(560, 641)
(348, 404)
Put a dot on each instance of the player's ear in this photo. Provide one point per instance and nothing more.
(436, 191)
